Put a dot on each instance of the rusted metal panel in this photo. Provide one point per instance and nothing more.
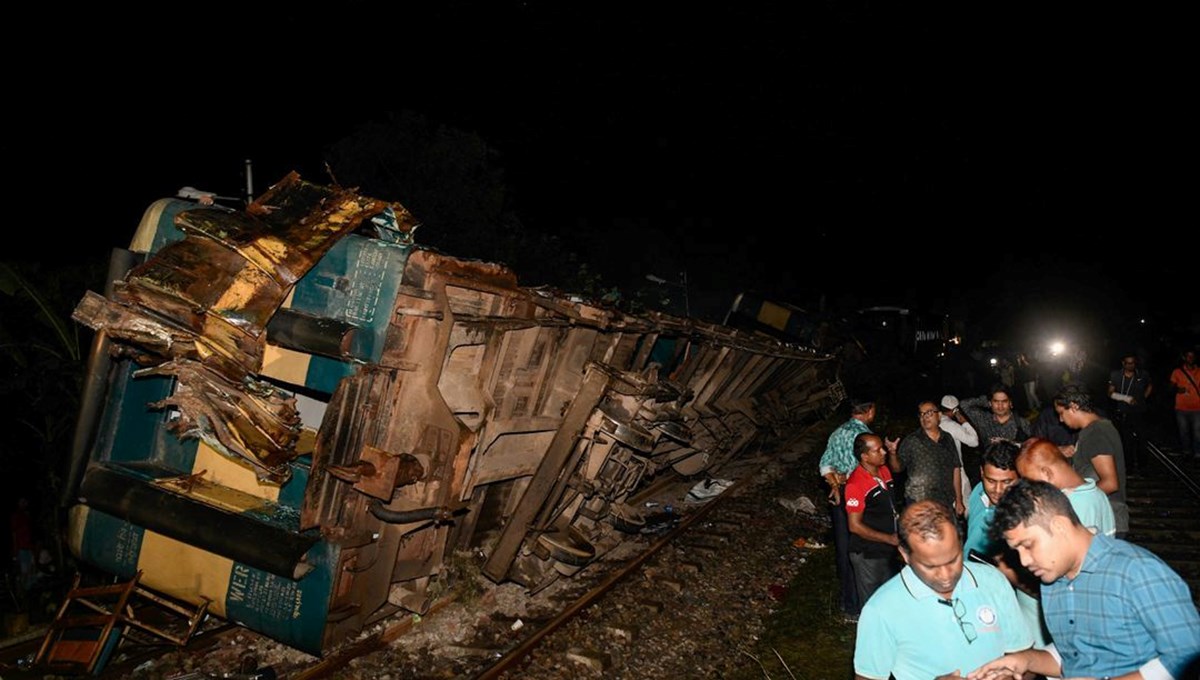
(549, 470)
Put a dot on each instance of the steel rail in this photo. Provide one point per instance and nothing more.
(520, 651)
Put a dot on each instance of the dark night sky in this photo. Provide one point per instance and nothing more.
(931, 155)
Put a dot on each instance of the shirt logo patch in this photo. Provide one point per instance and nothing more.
(986, 615)
(852, 502)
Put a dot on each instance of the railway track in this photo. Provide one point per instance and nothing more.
(1164, 511)
(663, 565)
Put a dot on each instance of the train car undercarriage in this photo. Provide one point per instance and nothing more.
(304, 416)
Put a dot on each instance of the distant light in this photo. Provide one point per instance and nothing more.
(993, 361)
(1143, 321)
(956, 340)
(1058, 347)
(885, 324)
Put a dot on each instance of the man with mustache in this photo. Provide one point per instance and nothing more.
(938, 617)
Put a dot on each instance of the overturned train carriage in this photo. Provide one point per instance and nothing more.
(297, 415)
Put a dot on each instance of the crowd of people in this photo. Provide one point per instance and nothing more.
(1026, 573)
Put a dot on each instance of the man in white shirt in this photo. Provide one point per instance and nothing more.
(955, 424)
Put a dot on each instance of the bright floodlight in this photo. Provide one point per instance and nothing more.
(993, 361)
(1057, 347)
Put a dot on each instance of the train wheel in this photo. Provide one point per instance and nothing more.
(626, 520)
(568, 547)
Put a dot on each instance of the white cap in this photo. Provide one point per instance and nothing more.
(949, 402)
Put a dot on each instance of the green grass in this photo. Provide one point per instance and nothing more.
(807, 631)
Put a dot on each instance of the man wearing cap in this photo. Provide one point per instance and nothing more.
(836, 464)
(955, 424)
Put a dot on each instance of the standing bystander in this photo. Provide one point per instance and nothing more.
(872, 517)
(837, 462)
(930, 461)
(1130, 387)
(1050, 427)
(997, 472)
(993, 417)
(954, 423)
(1186, 381)
(1098, 453)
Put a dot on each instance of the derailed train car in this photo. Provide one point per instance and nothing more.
(297, 416)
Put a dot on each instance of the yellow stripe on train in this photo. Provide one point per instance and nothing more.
(185, 572)
(285, 365)
(774, 315)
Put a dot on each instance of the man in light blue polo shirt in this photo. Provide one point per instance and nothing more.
(997, 471)
(1040, 459)
(938, 617)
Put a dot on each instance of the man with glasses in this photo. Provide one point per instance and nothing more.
(993, 417)
(939, 617)
(1114, 609)
(931, 463)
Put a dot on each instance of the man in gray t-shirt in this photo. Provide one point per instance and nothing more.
(1098, 453)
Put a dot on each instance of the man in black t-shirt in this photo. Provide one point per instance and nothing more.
(872, 516)
(1129, 387)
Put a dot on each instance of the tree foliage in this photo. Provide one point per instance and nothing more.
(41, 377)
(452, 181)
